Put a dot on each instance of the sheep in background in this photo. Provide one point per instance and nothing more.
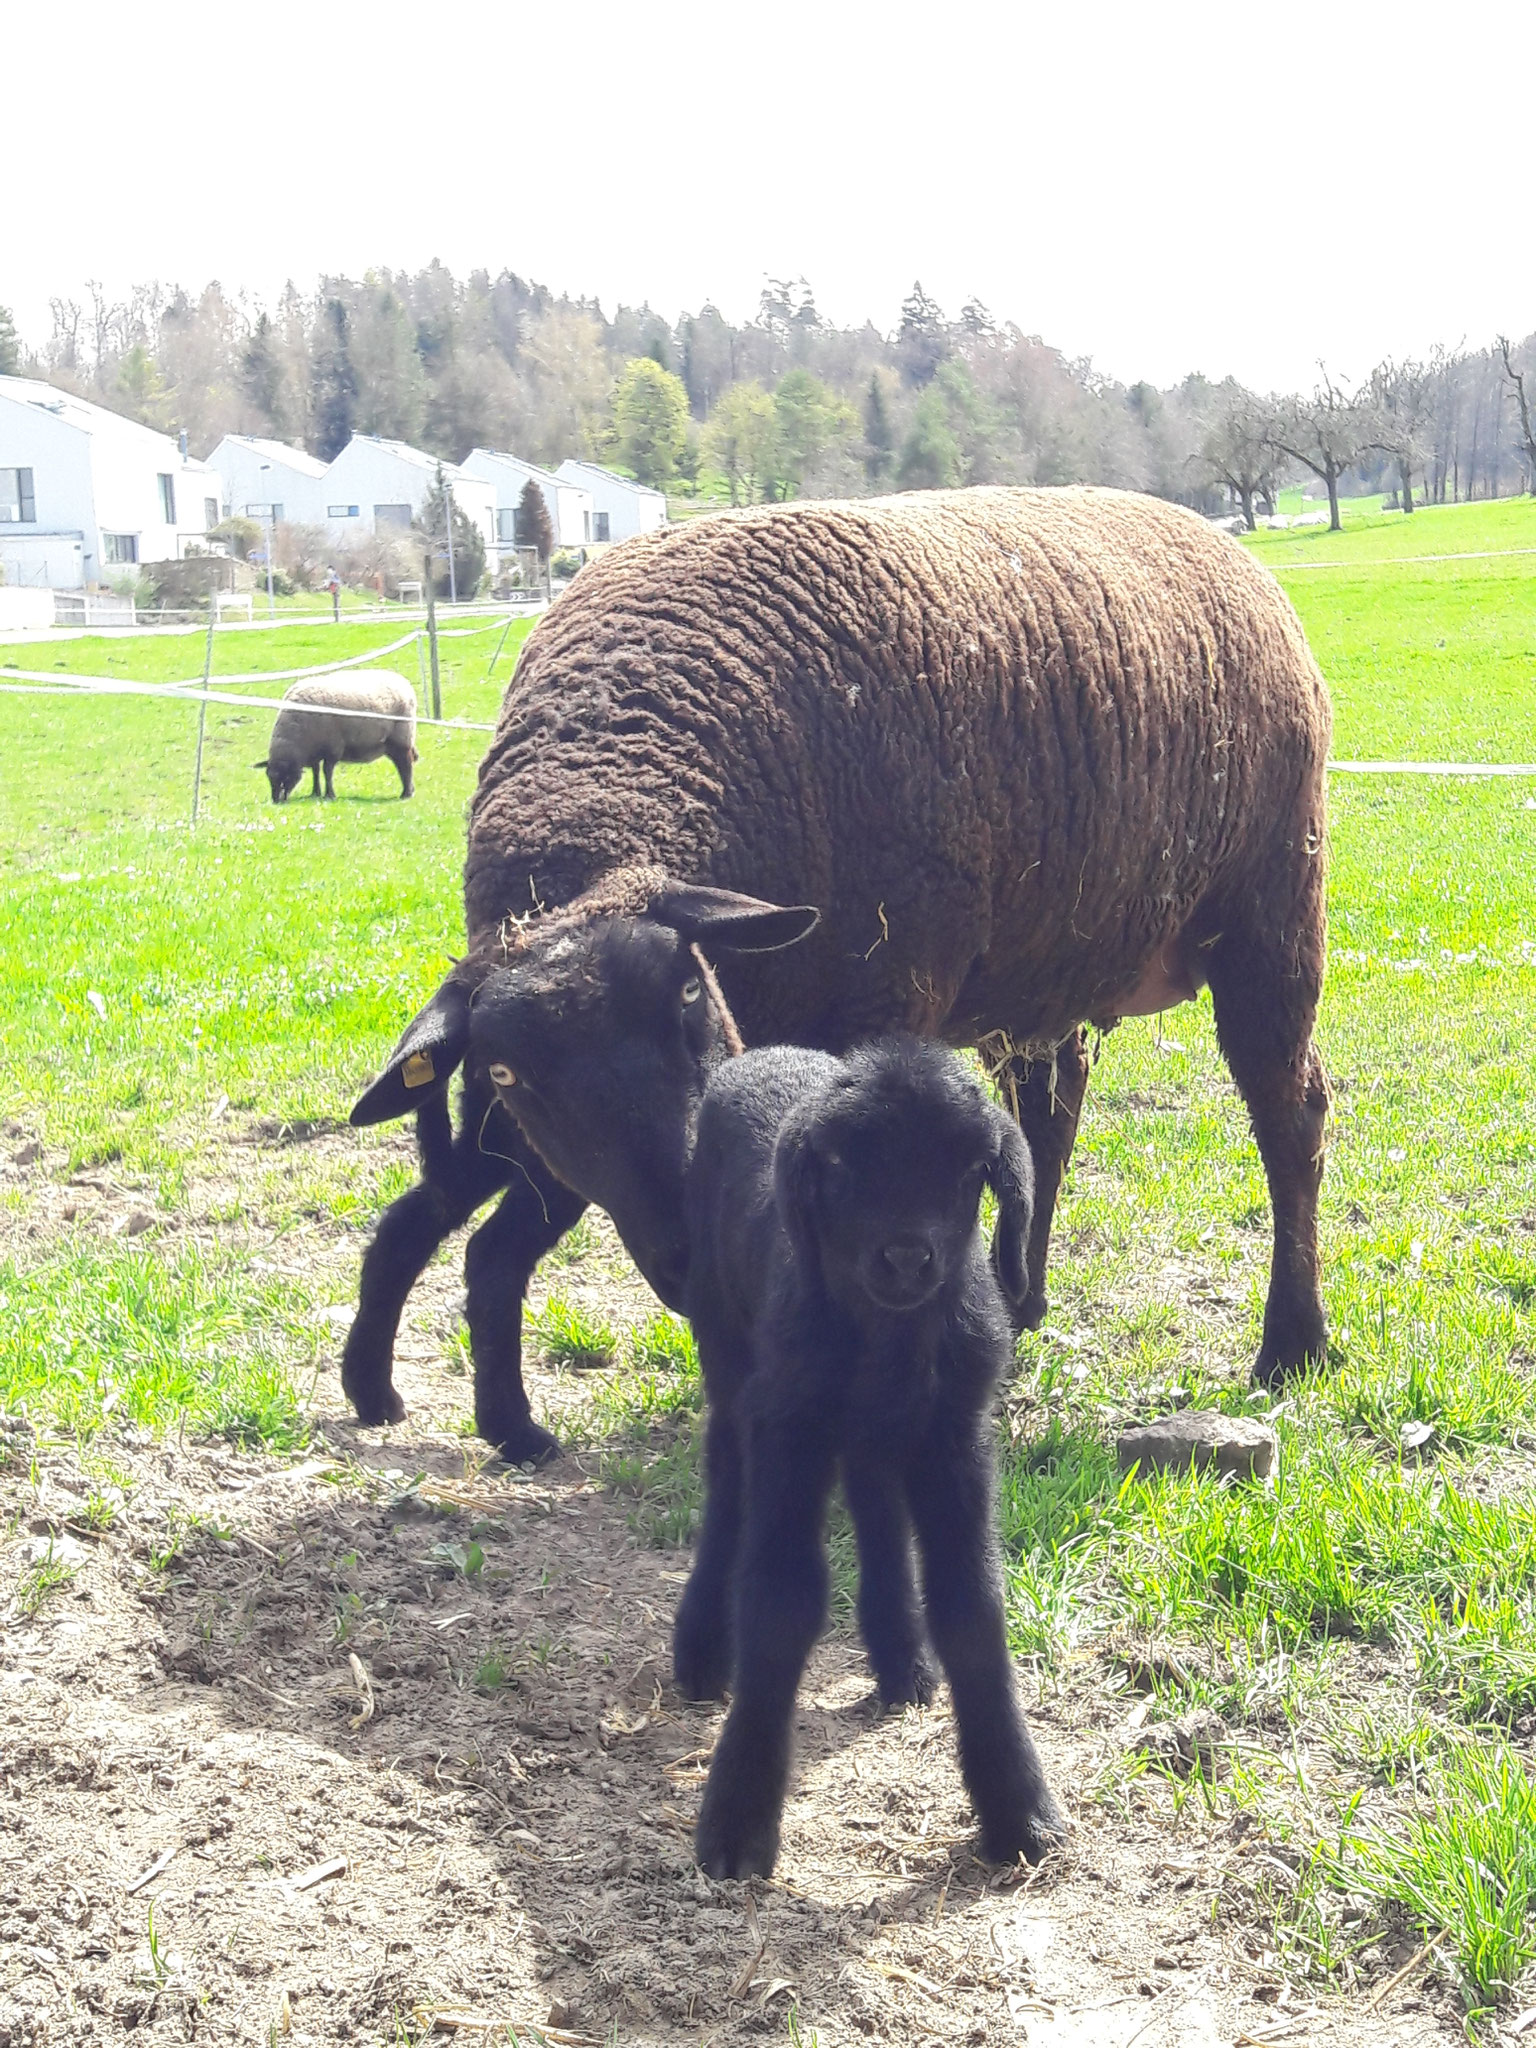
(846, 1310)
(325, 719)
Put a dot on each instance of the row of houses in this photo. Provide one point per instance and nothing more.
(86, 495)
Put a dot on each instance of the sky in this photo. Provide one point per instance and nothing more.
(1239, 190)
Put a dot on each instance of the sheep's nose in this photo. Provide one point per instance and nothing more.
(908, 1259)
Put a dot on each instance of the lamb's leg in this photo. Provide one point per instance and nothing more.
(401, 756)
(701, 1634)
(1266, 1004)
(530, 1219)
(781, 1602)
(1047, 1097)
(457, 1178)
(950, 1492)
(890, 1618)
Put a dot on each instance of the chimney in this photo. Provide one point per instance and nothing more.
(181, 441)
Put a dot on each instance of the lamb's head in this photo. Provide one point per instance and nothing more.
(878, 1178)
(597, 1029)
(284, 774)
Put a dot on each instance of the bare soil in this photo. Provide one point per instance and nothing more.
(394, 1731)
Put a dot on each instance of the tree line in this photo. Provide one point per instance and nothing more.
(785, 405)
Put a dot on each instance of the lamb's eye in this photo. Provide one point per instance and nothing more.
(503, 1076)
(693, 988)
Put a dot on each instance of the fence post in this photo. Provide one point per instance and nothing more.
(202, 713)
(437, 688)
(506, 629)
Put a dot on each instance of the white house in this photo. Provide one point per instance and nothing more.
(262, 478)
(620, 506)
(569, 505)
(86, 495)
(374, 485)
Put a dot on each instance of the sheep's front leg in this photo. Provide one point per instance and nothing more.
(781, 1602)
(889, 1617)
(951, 1497)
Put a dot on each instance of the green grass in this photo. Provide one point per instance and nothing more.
(270, 958)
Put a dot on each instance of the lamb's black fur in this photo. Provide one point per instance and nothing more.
(847, 1314)
(1040, 758)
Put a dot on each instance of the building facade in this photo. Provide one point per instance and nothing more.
(620, 506)
(569, 505)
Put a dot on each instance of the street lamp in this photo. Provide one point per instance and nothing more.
(266, 470)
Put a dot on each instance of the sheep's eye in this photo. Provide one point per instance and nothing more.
(503, 1076)
(693, 988)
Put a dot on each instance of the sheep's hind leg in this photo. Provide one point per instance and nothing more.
(401, 757)
(701, 1634)
(890, 1618)
(530, 1219)
(1047, 1098)
(1266, 1005)
(457, 1177)
(950, 1491)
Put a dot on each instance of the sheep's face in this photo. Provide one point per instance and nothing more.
(283, 778)
(599, 1040)
(881, 1179)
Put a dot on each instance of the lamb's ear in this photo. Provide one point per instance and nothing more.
(721, 920)
(430, 1048)
(1012, 1175)
(795, 1184)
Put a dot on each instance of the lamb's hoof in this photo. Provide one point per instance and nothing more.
(1032, 1833)
(1032, 1311)
(914, 1687)
(377, 1407)
(1279, 1358)
(733, 1845)
(524, 1443)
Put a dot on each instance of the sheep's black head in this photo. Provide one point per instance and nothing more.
(879, 1178)
(598, 1036)
(283, 777)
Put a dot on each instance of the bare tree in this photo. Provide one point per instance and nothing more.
(1517, 379)
(1402, 396)
(1326, 433)
(1238, 447)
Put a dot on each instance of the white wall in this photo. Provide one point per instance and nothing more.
(242, 482)
(59, 457)
(569, 505)
(369, 473)
(632, 508)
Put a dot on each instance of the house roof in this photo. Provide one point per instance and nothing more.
(613, 476)
(86, 417)
(543, 476)
(416, 457)
(296, 459)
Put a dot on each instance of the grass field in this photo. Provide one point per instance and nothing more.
(1367, 1628)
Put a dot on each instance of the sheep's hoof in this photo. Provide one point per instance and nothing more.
(1293, 1351)
(731, 1845)
(375, 1409)
(914, 1687)
(1032, 1833)
(525, 1443)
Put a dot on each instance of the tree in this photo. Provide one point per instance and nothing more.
(468, 542)
(650, 420)
(532, 523)
(879, 440)
(1402, 395)
(10, 345)
(1326, 433)
(922, 340)
(262, 378)
(140, 389)
(1237, 448)
(335, 384)
(741, 439)
(1517, 379)
(810, 420)
(930, 455)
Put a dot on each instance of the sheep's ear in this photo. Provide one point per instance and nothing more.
(795, 1184)
(258, 764)
(720, 919)
(431, 1047)
(1012, 1175)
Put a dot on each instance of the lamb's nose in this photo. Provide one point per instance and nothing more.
(908, 1259)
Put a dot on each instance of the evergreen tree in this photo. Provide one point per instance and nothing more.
(879, 441)
(468, 542)
(335, 387)
(533, 523)
(922, 340)
(10, 345)
(261, 376)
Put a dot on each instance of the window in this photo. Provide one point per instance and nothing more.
(277, 515)
(17, 505)
(506, 525)
(392, 515)
(210, 514)
(602, 526)
(586, 525)
(259, 511)
(120, 547)
(341, 511)
(168, 499)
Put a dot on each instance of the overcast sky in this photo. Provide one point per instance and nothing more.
(1235, 189)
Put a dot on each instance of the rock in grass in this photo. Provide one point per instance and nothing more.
(1195, 1738)
(1234, 1444)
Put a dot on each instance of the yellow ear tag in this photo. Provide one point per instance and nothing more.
(418, 1070)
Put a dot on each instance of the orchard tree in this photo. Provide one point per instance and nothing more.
(650, 421)
(532, 523)
(1237, 448)
(1403, 396)
(1327, 433)
(1516, 379)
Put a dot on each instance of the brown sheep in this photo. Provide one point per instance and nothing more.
(1042, 759)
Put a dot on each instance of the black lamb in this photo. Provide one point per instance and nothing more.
(846, 1313)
